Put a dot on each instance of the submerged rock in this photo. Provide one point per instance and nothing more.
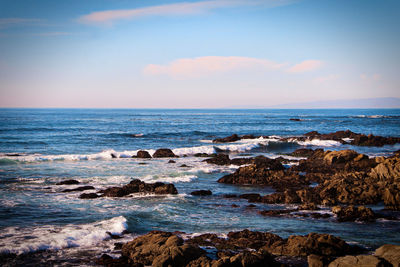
(68, 182)
(81, 188)
(201, 193)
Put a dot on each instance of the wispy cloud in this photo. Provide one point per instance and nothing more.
(306, 65)
(183, 8)
(204, 66)
(51, 34)
(12, 22)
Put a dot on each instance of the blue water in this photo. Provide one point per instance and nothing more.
(58, 144)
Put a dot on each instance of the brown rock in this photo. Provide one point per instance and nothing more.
(358, 261)
(160, 249)
(391, 253)
(219, 159)
(68, 182)
(352, 213)
(143, 154)
(164, 153)
(137, 186)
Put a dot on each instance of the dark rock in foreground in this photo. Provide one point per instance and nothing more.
(164, 153)
(89, 196)
(68, 182)
(137, 186)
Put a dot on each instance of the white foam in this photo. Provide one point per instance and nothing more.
(22, 240)
(168, 178)
(318, 142)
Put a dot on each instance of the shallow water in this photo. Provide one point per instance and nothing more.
(57, 144)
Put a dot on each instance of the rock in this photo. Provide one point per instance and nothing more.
(319, 244)
(276, 213)
(201, 193)
(164, 153)
(160, 249)
(308, 206)
(89, 196)
(251, 197)
(202, 155)
(391, 253)
(302, 152)
(389, 170)
(81, 188)
(317, 261)
(143, 154)
(172, 161)
(352, 213)
(68, 182)
(391, 197)
(252, 259)
(203, 261)
(248, 136)
(219, 159)
(228, 139)
(358, 261)
(341, 156)
(137, 186)
(295, 119)
(184, 166)
(114, 156)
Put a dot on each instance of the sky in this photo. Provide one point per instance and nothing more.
(196, 54)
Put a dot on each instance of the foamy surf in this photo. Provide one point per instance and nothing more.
(52, 237)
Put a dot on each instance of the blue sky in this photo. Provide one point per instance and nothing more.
(196, 54)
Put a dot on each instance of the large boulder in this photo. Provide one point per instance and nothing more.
(342, 156)
(390, 253)
(388, 170)
(164, 153)
(160, 249)
(391, 197)
(219, 159)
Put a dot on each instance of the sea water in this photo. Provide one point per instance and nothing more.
(40, 147)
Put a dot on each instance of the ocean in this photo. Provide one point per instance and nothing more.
(40, 147)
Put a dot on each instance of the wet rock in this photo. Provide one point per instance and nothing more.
(234, 206)
(172, 161)
(219, 159)
(109, 261)
(276, 213)
(81, 188)
(68, 182)
(358, 261)
(137, 186)
(160, 249)
(251, 197)
(201, 193)
(228, 139)
(114, 156)
(164, 153)
(248, 136)
(143, 154)
(308, 206)
(184, 166)
(391, 253)
(202, 155)
(352, 213)
(295, 119)
(230, 196)
(89, 196)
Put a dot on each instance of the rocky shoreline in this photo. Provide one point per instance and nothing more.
(341, 182)
(344, 181)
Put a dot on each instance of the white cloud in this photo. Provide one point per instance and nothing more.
(182, 8)
(203, 66)
(306, 65)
